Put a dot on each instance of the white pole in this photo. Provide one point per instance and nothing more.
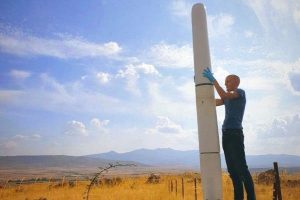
(209, 146)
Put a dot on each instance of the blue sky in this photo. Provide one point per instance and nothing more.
(83, 77)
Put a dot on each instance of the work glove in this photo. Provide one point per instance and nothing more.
(208, 74)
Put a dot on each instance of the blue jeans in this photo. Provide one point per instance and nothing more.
(234, 150)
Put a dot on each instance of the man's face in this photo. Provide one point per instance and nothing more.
(230, 83)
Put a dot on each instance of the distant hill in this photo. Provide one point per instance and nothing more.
(190, 159)
(156, 157)
(143, 158)
(55, 161)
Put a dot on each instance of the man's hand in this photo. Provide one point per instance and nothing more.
(209, 75)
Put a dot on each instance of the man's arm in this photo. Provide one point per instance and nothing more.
(219, 102)
(223, 94)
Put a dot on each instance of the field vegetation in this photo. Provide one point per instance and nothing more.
(143, 187)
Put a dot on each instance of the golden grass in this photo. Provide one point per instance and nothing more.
(136, 188)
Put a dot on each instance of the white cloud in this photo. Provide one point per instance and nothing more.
(35, 136)
(79, 96)
(187, 90)
(165, 125)
(264, 74)
(97, 123)
(174, 102)
(170, 55)
(279, 136)
(220, 74)
(259, 83)
(10, 145)
(76, 128)
(220, 25)
(132, 72)
(131, 75)
(98, 126)
(181, 8)
(279, 15)
(147, 69)
(19, 137)
(103, 77)
(19, 74)
(61, 47)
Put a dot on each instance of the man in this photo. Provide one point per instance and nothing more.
(233, 138)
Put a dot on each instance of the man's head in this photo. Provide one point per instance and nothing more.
(232, 82)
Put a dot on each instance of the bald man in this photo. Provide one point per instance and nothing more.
(234, 100)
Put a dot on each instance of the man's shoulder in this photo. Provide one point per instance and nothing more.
(241, 92)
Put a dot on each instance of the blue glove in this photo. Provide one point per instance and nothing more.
(208, 74)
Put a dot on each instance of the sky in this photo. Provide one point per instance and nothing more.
(85, 77)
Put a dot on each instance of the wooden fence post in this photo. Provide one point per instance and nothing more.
(195, 184)
(176, 186)
(182, 188)
(276, 186)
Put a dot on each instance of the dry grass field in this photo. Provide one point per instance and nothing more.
(139, 188)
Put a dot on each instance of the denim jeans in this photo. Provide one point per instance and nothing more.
(234, 150)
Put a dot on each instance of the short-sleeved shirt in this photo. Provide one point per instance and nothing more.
(234, 111)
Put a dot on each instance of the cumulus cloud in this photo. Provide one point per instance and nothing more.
(98, 126)
(36, 136)
(165, 133)
(19, 74)
(171, 55)
(132, 72)
(265, 74)
(147, 69)
(220, 25)
(76, 128)
(68, 97)
(181, 8)
(61, 46)
(103, 77)
(97, 123)
(19, 137)
(281, 129)
(165, 125)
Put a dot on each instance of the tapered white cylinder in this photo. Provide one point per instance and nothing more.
(209, 146)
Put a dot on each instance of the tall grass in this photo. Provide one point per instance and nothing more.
(136, 188)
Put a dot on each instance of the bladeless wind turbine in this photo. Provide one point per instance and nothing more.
(210, 163)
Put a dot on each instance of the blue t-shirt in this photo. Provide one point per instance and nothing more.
(234, 111)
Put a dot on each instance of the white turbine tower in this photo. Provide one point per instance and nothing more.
(209, 146)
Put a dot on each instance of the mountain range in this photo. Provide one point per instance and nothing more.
(190, 159)
(162, 157)
(56, 161)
